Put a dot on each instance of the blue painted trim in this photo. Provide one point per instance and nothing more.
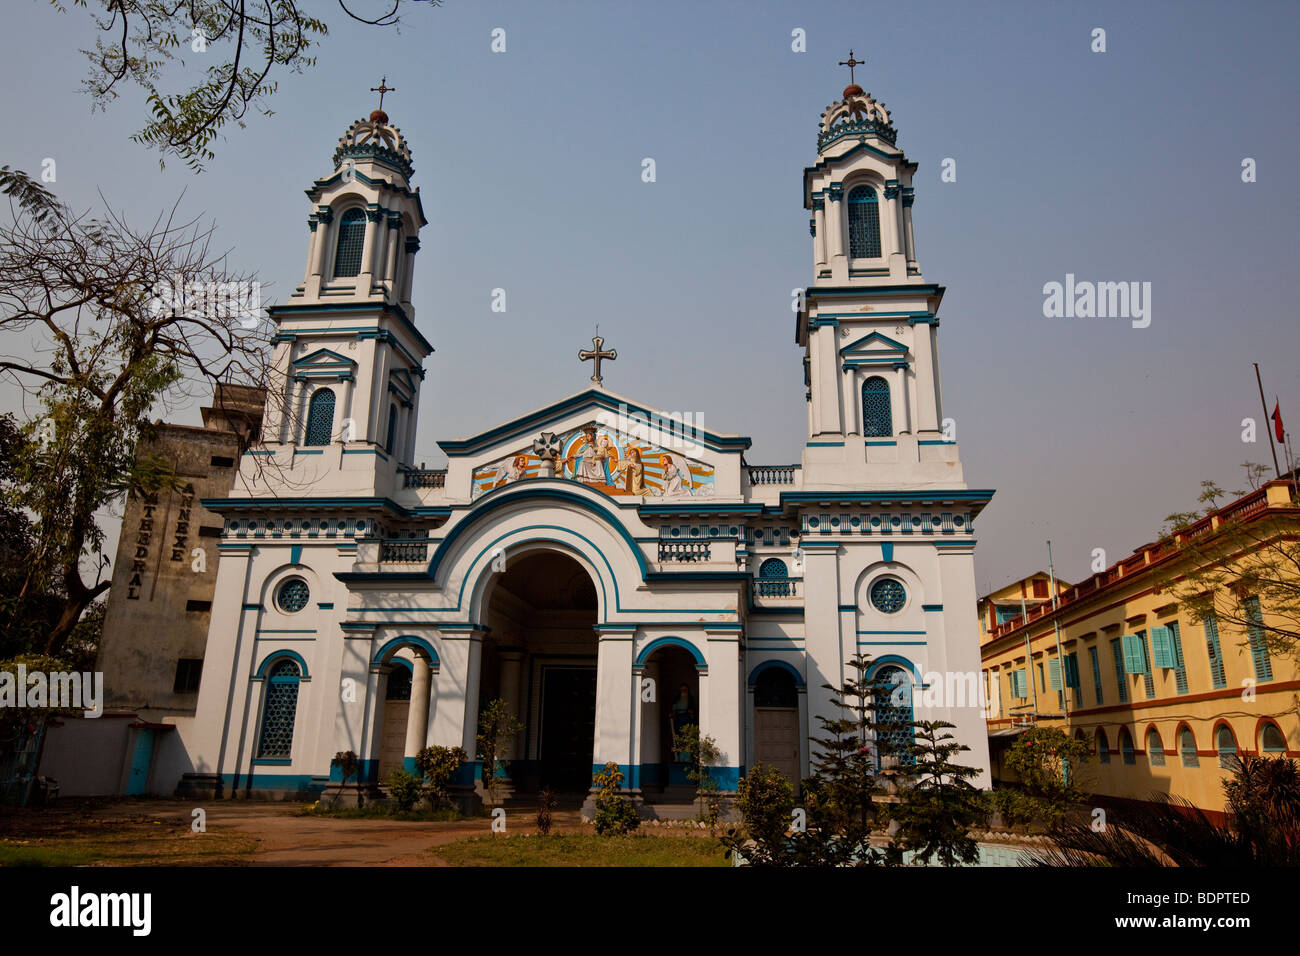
(309, 451)
(825, 444)
(700, 664)
(882, 442)
(295, 554)
(931, 607)
(891, 632)
(407, 640)
(326, 605)
(295, 782)
(890, 643)
(385, 308)
(935, 441)
(260, 673)
(887, 551)
(782, 665)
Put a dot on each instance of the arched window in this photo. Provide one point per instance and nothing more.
(775, 687)
(864, 224)
(773, 578)
(1271, 739)
(1187, 748)
(392, 429)
(279, 710)
(1155, 748)
(1226, 744)
(1103, 747)
(1126, 746)
(877, 419)
(352, 238)
(894, 713)
(320, 417)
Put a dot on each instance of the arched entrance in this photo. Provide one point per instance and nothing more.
(539, 655)
(676, 704)
(776, 721)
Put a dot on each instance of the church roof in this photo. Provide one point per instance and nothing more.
(527, 426)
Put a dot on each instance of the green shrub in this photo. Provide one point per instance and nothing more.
(615, 814)
(437, 765)
(404, 788)
(765, 799)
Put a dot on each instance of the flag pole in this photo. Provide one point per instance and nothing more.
(1268, 422)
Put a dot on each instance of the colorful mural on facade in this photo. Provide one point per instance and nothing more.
(608, 461)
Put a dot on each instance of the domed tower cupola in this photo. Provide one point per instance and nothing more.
(860, 192)
(366, 218)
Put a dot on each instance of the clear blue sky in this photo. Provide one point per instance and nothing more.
(1116, 166)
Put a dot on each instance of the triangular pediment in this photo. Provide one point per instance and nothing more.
(605, 441)
(323, 363)
(874, 349)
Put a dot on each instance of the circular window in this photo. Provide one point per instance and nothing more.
(888, 595)
(293, 595)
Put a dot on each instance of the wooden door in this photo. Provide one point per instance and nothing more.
(776, 740)
(392, 745)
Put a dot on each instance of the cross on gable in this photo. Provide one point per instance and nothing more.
(595, 356)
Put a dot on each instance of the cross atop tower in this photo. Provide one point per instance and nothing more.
(383, 88)
(851, 63)
(595, 356)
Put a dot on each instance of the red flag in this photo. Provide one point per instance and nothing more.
(1277, 421)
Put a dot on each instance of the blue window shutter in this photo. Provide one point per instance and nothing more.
(1162, 647)
(1054, 670)
(1072, 670)
(1133, 656)
(1258, 643)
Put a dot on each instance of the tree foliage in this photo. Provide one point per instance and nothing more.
(1244, 560)
(938, 805)
(241, 47)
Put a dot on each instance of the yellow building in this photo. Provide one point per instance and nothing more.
(1164, 697)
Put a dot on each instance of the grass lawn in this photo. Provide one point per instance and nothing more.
(59, 838)
(583, 849)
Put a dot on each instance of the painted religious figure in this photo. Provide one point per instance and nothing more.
(589, 466)
(629, 474)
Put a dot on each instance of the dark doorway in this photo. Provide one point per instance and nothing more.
(568, 727)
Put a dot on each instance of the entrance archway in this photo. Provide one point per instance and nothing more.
(676, 704)
(539, 656)
(397, 708)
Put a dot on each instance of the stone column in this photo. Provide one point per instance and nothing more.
(721, 699)
(927, 405)
(390, 259)
(371, 252)
(835, 252)
(819, 232)
(649, 720)
(614, 702)
(511, 668)
(902, 420)
(417, 720)
(823, 640)
(411, 247)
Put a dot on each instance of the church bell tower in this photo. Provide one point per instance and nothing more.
(348, 355)
(869, 320)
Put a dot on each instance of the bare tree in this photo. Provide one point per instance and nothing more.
(105, 325)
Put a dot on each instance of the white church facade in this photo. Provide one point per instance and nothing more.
(608, 571)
